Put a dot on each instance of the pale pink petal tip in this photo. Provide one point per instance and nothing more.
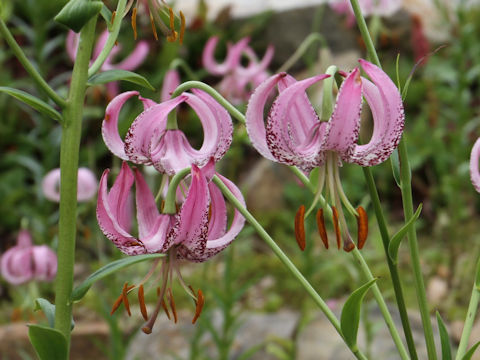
(86, 187)
(474, 166)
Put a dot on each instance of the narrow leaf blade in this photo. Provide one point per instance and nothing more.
(49, 344)
(49, 311)
(394, 244)
(470, 352)
(76, 13)
(350, 318)
(444, 339)
(33, 102)
(118, 74)
(80, 291)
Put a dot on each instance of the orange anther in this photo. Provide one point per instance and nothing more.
(348, 245)
(141, 301)
(362, 222)
(173, 35)
(125, 298)
(154, 29)
(147, 330)
(172, 305)
(182, 27)
(336, 226)
(113, 17)
(300, 227)
(116, 304)
(134, 22)
(321, 227)
(164, 306)
(199, 307)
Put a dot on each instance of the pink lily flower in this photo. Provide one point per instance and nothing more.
(197, 232)
(130, 63)
(170, 82)
(368, 7)
(294, 135)
(25, 262)
(86, 185)
(474, 170)
(148, 141)
(237, 79)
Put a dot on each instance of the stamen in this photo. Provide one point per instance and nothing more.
(165, 308)
(125, 299)
(134, 22)
(154, 29)
(172, 304)
(182, 27)
(321, 228)
(147, 329)
(300, 227)
(113, 17)
(336, 226)
(362, 222)
(173, 34)
(141, 301)
(116, 304)
(199, 307)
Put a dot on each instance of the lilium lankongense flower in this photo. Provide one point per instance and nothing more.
(237, 79)
(25, 262)
(474, 169)
(196, 232)
(294, 135)
(130, 63)
(86, 185)
(368, 7)
(150, 142)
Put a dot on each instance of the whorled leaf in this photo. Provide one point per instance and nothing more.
(398, 237)
(49, 310)
(33, 102)
(76, 13)
(444, 339)
(119, 74)
(49, 344)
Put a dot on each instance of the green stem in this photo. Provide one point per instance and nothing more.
(171, 198)
(112, 38)
(306, 43)
(467, 328)
(381, 304)
(406, 190)
(69, 150)
(213, 93)
(397, 285)
(17, 51)
(285, 260)
(180, 63)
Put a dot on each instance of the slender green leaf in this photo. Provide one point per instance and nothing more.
(118, 74)
(32, 101)
(350, 318)
(444, 339)
(477, 276)
(49, 344)
(76, 13)
(49, 311)
(395, 163)
(470, 352)
(394, 244)
(107, 15)
(80, 291)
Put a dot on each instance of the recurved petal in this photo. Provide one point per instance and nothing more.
(214, 246)
(342, 129)
(24, 239)
(171, 81)
(234, 54)
(474, 170)
(255, 122)
(44, 263)
(51, 185)
(114, 212)
(388, 117)
(87, 184)
(15, 265)
(136, 58)
(292, 126)
(110, 134)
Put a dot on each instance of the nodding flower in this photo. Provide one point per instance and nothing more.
(238, 80)
(86, 185)
(130, 63)
(294, 134)
(151, 140)
(25, 262)
(474, 169)
(195, 231)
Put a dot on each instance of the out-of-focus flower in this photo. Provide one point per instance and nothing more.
(86, 185)
(150, 142)
(368, 7)
(130, 63)
(171, 81)
(25, 262)
(420, 43)
(474, 170)
(238, 81)
(294, 135)
(197, 232)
